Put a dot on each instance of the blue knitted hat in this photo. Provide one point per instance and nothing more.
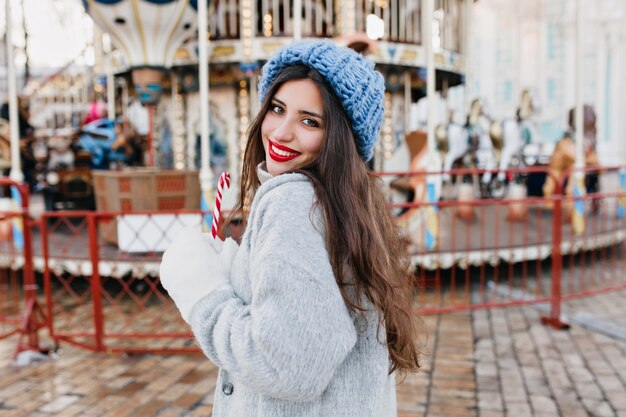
(358, 86)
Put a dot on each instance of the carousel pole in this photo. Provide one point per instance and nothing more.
(430, 74)
(407, 101)
(434, 164)
(108, 64)
(22, 238)
(67, 99)
(125, 98)
(206, 177)
(467, 53)
(15, 173)
(297, 19)
(578, 177)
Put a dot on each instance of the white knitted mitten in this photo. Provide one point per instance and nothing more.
(194, 265)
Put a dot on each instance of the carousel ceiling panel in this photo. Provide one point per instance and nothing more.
(148, 32)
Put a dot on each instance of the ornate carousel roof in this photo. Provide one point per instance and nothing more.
(147, 32)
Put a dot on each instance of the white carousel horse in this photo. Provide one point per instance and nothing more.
(419, 113)
(469, 144)
(521, 138)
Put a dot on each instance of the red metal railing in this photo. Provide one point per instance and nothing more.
(487, 261)
(102, 290)
(20, 311)
(100, 273)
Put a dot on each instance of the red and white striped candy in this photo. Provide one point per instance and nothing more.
(222, 184)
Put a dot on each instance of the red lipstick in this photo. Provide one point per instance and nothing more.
(273, 147)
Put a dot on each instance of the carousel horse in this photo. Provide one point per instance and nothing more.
(522, 144)
(419, 113)
(470, 146)
(411, 221)
(416, 141)
(109, 141)
(564, 155)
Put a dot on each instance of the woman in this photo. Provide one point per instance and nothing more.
(311, 314)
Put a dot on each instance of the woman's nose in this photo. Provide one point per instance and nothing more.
(283, 131)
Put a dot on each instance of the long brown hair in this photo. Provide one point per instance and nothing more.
(362, 239)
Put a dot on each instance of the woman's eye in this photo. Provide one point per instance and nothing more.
(310, 123)
(277, 109)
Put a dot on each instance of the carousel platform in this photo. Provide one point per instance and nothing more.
(490, 238)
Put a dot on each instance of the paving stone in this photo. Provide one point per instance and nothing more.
(490, 401)
(411, 407)
(565, 395)
(484, 369)
(542, 404)
(574, 411)
(617, 399)
(611, 383)
(538, 387)
(60, 403)
(580, 374)
(598, 408)
(451, 410)
(600, 367)
(490, 413)
(532, 372)
(556, 375)
(511, 377)
(573, 360)
(174, 392)
(488, 383)
(589, 390)
(514, 393)
(442, 399)
(528, 359)
(518, 409)
(206, 410)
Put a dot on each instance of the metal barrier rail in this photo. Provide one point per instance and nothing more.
(20, 311)
(101, 282)
(484, 260)
(100, 275)
(102, 291)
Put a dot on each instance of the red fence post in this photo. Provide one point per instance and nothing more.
(554, 319)
(33, 319)
(47, 282)
(96, 290)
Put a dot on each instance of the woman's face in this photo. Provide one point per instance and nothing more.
(293, 127)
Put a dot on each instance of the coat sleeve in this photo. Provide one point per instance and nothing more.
(296, 331)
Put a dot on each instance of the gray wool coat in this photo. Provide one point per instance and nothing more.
(281, 334)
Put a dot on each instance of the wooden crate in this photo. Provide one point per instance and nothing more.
(146, 189)
(140, 189)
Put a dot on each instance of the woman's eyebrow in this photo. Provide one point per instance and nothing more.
(309, 113)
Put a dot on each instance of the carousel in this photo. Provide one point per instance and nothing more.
(178, 85)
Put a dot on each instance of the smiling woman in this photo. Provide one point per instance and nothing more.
(312, 314)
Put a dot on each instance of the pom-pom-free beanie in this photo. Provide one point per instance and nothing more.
(358, 86)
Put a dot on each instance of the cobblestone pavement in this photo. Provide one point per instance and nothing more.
(485, 363)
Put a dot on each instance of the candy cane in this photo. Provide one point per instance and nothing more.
(223, 183)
